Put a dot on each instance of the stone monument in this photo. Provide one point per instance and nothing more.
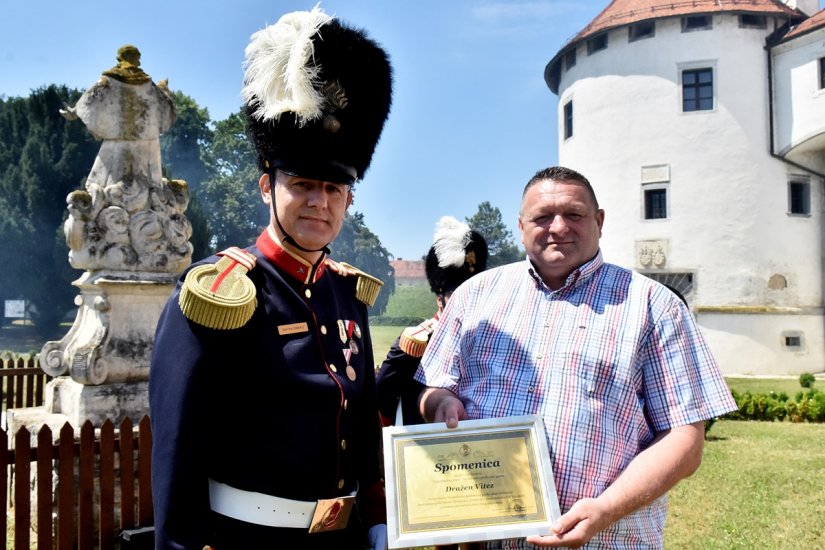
(128, 231)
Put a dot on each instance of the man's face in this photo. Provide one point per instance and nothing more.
(311, 211)
(560, 228)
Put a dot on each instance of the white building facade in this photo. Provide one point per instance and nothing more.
(701, 126)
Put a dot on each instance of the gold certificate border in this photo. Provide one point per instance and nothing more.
(507, 490)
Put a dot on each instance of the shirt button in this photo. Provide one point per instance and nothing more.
(332, 368)
(539, 356)
(323, 329)
(340, 483)
(531, 389)
(308, 293)
(344, 444)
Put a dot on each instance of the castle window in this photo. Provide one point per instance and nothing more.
(697, 23)
(597, 43)
(750, 21)
(793, 340)
(570, 58)
(638, 31)
(697, 90)
(822, 73)
(799, 197)
(568, 119)
(655, 203)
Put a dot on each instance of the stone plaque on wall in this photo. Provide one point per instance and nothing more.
(656, 174)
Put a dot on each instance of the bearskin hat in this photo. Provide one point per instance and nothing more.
(457, 254)
(316, 95)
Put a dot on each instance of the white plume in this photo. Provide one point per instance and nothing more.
(278, 74)
(450, 238)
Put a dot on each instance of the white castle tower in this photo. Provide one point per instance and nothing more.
(701, 125)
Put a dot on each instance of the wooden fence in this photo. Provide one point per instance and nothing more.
(76, 491)
(21, 384)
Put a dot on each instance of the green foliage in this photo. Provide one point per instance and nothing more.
(412, 301)
(500, 243)
(43, 157)
(230, 196)
(806, 380)
(808, 406)
(184, 148)
(360, 247)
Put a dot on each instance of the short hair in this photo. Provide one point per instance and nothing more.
(561, 174)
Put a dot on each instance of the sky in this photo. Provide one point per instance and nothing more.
(472, 118)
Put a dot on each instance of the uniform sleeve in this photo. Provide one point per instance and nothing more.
(177, 392)
(682, 383)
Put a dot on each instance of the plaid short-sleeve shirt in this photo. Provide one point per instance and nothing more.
(607, 361)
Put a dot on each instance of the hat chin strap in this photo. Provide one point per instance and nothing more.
(287, 237)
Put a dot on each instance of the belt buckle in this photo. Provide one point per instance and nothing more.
(331, 514)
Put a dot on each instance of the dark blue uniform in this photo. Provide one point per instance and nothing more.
(395, 380)
(284, 405)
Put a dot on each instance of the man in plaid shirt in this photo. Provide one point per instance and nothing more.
(611, 360)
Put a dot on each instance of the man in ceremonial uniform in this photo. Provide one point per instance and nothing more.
(262, 391)
(457, 254)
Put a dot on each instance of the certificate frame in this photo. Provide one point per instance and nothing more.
(484, 480)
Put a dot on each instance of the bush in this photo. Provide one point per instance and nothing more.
(806, 380)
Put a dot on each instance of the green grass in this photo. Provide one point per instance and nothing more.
(416, 300)
(759, 487)
(789, 385)
(382, 340)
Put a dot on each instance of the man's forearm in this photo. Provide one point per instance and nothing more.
(673, 456)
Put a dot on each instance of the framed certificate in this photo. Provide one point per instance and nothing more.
(483, 480)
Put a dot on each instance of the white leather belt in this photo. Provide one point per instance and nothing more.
(259, 508)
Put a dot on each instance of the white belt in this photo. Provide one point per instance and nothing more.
(259, 508)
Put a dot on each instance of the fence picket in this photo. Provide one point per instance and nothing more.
(127, 474)
(22, 493)
(106, 510)
(65, 486)
(145, 509)
(45, 454)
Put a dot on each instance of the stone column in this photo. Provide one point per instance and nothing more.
(128, 231)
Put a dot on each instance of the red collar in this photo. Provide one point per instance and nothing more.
(280, 255)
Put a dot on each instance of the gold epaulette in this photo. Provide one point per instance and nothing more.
(366, 288)
(413, 340)
(220, 295)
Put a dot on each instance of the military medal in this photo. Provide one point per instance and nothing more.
(351, 373)
(342, 331)
(357, 330)
(353, 346)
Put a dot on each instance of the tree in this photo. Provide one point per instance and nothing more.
(184, 151)
(43, 157)
(360, 247)
(500, 243)
(234, 211)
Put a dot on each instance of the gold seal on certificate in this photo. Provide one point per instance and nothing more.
(484, 480)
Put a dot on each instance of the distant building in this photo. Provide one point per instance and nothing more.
(408, 272)
(701, 125)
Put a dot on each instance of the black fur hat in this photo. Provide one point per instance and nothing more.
(316, 95)
(457, 254)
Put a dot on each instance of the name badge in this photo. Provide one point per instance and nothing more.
(294, 328)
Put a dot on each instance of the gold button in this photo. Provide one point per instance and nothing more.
(345, 404)
(340, 483)
(332, 368)
(344, 444)
(308, 293)
(323, 329)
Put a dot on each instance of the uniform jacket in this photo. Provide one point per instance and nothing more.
(268, 407)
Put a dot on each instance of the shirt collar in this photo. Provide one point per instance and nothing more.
(282, 256)
(577, 276)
